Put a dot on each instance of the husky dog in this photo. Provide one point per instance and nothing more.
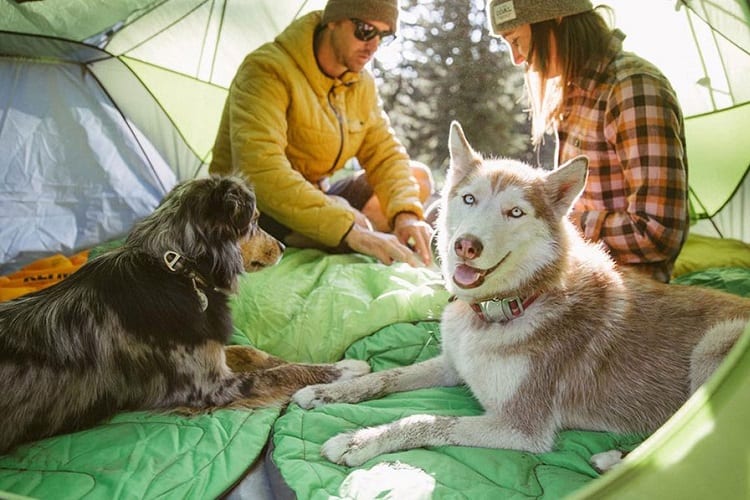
(144, 326)
(545, 330)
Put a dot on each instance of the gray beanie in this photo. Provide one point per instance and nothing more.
(385, 11)
(504, 15)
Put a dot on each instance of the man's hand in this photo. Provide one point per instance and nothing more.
(383, 246)
(359, 218)
(415, 233)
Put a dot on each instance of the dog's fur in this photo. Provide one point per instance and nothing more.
(144, 326)
(598, 348)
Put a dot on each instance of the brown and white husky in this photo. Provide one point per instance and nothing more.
(545, 330)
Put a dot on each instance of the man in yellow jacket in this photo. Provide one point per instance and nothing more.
(298, 109)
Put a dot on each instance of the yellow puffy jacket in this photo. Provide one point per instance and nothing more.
(286, 126)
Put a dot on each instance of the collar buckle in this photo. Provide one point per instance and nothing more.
(172, 260)
(502, 310)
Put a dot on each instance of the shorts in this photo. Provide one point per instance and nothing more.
(353, 188)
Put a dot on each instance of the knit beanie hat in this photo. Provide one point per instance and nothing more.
(504, 15)
(385, 11)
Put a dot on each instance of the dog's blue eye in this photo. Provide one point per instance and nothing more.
(469, 199)
(516, 212)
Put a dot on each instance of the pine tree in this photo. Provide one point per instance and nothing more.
(451, 68)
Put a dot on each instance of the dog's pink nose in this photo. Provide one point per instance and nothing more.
(468, 247)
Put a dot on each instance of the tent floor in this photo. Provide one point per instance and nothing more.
(254, 486)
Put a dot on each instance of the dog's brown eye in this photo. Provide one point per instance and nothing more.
(516, 212)
(469, 199)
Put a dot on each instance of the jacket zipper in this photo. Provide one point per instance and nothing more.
(341, 128)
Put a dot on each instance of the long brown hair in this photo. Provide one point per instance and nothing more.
(582, 41)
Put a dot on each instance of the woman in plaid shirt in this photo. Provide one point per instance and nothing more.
(617, 109)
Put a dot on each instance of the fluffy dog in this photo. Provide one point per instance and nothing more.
(144, 326)
(544, 329)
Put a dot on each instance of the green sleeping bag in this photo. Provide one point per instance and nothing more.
(722, 408)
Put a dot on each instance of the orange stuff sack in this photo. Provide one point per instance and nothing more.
(40, 274)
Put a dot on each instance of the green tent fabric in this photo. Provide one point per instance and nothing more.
(716, 140)
(105, 105)
(702, 452)
(704, 49)
(157, 41)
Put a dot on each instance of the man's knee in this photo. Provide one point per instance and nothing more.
(423, 174)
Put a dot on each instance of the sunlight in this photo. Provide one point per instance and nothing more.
(390, 56)
(663, 37)
(388, 480)
(700, 428)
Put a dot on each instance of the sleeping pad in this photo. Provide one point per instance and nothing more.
(439, 472)
(142, 455)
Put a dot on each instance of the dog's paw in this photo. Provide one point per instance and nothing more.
(352, 368)
(339, 391)
(352, 448)
(309, 397)
(315, 396)
(605, 461)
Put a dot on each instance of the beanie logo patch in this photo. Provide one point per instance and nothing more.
(502, 12)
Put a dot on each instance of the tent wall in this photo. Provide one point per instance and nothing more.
(74, 173)
(166, 65)
(731, 220)
(719, 172)
(87, 149)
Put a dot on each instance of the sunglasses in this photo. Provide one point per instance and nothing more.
(366, 32)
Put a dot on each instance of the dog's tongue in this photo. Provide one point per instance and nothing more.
(466, 276)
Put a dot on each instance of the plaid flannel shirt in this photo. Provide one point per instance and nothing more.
(625, 116)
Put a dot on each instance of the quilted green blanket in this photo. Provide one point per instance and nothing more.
(444, 472)
(440, 472)
(141, 455)
(312, 306)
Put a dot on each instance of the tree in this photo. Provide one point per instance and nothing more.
(445, 66)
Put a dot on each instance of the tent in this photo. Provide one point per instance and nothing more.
(106, 105)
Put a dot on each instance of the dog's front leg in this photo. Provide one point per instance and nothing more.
(431, 373)
(277, 384)
(243, 359)
(417, 431)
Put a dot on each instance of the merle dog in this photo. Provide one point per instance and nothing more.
(144, 326)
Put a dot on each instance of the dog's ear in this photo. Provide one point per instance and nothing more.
(239, 204)
(463, 158)
(566, 184)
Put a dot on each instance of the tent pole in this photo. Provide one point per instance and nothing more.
(700, 55)
(720, 54)
(705, 211)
